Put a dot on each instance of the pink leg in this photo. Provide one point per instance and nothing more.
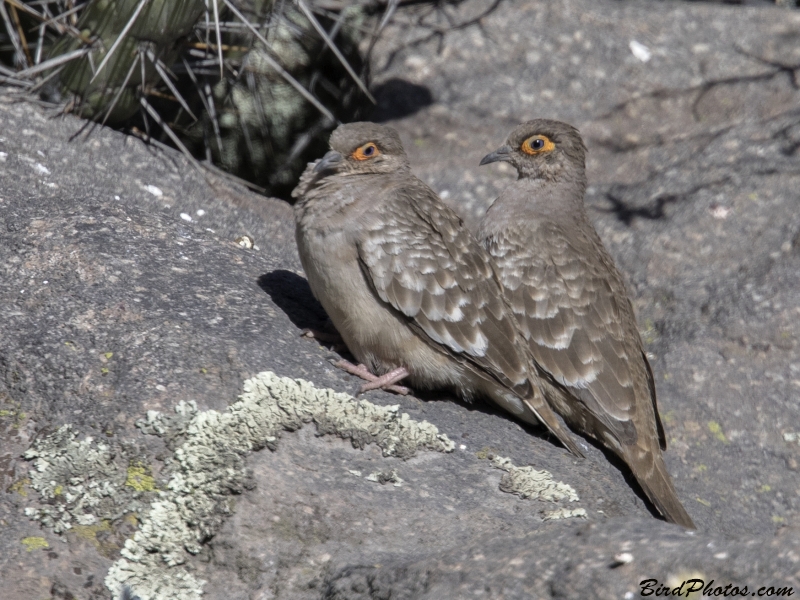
(384, 382)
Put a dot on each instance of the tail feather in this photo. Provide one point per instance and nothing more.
(545, 415)
(651, 473)
(530, 406)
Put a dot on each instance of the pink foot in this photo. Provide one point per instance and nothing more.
(384, 382)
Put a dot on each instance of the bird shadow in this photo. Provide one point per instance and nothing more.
(398, 98)
(626, 212)
(621, 466)
(291, 293)
(485, 406)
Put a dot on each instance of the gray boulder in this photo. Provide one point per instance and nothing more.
(143, 443)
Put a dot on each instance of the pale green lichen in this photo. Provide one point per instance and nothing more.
(486, 452)
(34, 543)
(384, 477)
(90, 534)
(716, 430)
(140, 479)
(564, 513)
(209, 465)
(20, 487)
(17, 415)
(527, 482)
(81, 482)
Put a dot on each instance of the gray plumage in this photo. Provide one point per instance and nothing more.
(404, 282)
(571, 303)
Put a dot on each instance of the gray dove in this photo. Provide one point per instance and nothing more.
(571, 304)
(407, 286)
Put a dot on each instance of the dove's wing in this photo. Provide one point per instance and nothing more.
(423, 262)
(572, 307)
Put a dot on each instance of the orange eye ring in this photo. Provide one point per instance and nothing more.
(537, 144)
(365, 152)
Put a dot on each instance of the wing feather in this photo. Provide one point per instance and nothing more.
(574, 312)
(427, 266)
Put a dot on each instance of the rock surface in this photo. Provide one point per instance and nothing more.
(119, 297)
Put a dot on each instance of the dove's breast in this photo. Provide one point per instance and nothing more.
(374, 332)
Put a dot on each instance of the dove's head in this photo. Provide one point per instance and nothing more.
(543, 149)
(358, 148)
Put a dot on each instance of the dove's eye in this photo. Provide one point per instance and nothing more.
(537, 144)
(369, 150)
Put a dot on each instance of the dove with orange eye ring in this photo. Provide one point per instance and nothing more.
(410, 290)
(571, 303)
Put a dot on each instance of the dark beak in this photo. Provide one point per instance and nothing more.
(502, 153)
(329, 162)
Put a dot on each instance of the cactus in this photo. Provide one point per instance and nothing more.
(252, 86)
(261, 119)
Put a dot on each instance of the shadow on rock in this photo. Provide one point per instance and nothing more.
(292, 294)
(398, 98)
(626, 212)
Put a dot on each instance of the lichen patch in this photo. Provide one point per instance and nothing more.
(384, 477)
(564, 513)
(140, 479)
(528, 482)
(34, 543)
(80, 482)
(209, 465)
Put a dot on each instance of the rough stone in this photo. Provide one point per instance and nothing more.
(113, 303)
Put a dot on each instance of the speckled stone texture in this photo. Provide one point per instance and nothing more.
(622, 559)
(114, 303)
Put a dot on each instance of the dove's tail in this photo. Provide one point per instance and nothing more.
(650, 471)
(528, 404)
(546, 416)
(537, 405)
